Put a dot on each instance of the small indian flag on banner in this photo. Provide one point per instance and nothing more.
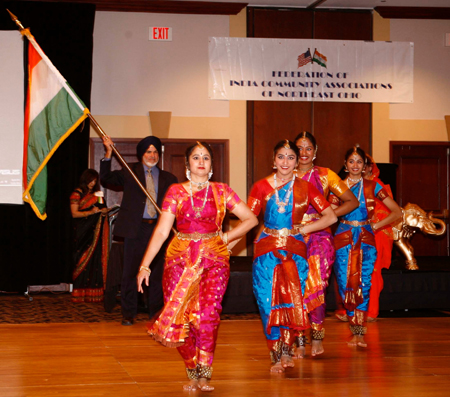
(52, 112)
(319, 59)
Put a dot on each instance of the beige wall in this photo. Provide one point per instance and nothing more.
(385, 129)
(232, 128)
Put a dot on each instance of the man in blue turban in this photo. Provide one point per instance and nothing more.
(137, 220)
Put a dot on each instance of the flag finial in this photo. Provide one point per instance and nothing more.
(14, 18)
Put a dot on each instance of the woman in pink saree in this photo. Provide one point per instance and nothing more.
(320, 244)
(197, 269)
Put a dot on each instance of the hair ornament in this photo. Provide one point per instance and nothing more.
(199, 144)
(286, 144)
(303, 136)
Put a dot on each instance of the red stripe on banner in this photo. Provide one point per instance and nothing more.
(33, 59)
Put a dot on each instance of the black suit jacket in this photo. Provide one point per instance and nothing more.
(133, 201)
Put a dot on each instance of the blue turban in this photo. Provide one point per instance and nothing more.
(144, 144)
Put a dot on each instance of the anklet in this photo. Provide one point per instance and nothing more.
(203, 371)
(318, 335)
(285, 350)
(192, 373)
(358, 329)
(275, 357)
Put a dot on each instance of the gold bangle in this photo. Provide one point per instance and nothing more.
(145, 268)
(225, 238)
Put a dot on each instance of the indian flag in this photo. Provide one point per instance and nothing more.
(320, 59)
(52, 112)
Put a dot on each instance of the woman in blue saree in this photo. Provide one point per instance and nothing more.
(280, 267)
(355, 243)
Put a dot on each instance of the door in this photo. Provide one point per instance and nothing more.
(171, 160)
(337, 126)
(423, 178)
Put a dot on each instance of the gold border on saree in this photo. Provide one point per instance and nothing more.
(355, 223)
(310, 217)
(284, 232)
(196, 236)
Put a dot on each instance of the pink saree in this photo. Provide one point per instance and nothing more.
(196, 273)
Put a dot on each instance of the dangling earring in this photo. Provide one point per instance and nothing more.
(363, 171)
(210, 174)
(188, 173)
(296, 172)
(274, 167)
(345, 168)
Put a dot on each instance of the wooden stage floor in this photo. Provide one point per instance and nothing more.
(405, 357)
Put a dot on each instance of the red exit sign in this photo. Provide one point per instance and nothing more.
(160, 33)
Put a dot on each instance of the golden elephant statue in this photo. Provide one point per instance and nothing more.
(414, 218)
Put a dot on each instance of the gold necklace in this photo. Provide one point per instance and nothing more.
(198, 210)
(310, 169)
(305, 171)
(282, 204)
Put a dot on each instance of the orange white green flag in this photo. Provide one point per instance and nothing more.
(53, 111)
(319, 58)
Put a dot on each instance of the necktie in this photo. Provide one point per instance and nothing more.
(151, 189)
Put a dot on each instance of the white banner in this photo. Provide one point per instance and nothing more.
(11, 117)
(310, 70)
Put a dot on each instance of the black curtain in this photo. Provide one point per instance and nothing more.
(35, 252)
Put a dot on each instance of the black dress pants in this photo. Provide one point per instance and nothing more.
(134, 249)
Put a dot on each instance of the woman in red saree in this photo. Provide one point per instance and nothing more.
(197, 269)
(91, 239)
(384, 240)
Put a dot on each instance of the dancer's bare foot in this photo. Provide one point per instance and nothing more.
(341, 316)
(277, 368)
(299, 352)
(361, 342)
(316, 347)
(287, 362)
(371, 319)
(203, 385)
(191, 386)
(357, 340)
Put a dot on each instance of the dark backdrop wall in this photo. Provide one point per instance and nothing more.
(337, 126)
(35, 252)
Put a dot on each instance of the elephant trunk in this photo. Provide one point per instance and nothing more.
(430, 227)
